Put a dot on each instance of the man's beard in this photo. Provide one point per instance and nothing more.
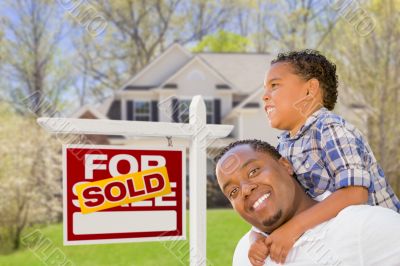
(271, 221)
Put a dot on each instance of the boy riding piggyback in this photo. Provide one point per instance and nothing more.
(327, 152)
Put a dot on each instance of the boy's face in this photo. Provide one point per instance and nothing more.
(284, 95)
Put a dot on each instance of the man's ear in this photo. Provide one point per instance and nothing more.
(287, 165)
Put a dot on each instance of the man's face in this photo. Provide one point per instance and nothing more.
(259, 187)
(284, 93)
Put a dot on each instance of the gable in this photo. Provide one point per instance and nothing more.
(197, 77)
(160, 69)
(246, 71)
(88, 112)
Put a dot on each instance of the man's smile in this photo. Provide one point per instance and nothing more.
(260, 201)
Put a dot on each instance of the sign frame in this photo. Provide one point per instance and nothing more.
(67, 242)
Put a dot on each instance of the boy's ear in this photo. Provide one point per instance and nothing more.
(287, 165)
(313, 87)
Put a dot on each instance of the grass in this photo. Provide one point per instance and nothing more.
(224, 229)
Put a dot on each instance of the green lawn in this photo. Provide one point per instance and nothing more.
(224, 229)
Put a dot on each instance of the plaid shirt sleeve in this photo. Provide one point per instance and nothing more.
(346, 156)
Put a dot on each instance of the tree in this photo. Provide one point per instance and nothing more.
(30, 175)
(223, 41)
(366, 46)
(138, 31)
(33, 62)
(199, 18)
(285, 25)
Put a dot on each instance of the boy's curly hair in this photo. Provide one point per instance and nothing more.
(310, 64)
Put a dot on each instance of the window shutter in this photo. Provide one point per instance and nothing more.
(129, 110)
(217, 111)
(115, 110)
(175, 110)
(154, 111)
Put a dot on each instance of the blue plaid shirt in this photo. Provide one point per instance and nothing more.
(328, 153)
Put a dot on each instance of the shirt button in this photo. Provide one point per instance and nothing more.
(307, 165)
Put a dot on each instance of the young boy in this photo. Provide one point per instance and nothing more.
(327, 153)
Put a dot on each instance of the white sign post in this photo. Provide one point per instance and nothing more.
(198, 184)
(197, 130)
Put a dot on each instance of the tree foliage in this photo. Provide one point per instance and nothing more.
(138, 31)
(223, 41)
(368, 65)
(30, 177)
(31, 51)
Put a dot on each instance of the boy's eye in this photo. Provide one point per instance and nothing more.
(253, 172)
(274, 86)
(233, 192)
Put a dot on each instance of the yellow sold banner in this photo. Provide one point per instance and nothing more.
(124, 189)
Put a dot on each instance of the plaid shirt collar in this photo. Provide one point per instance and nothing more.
(309, 122)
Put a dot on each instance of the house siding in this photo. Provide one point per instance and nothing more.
(255, 126)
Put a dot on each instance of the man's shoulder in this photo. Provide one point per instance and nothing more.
(363, 218)
(368, 212)
(372, 229)
(355, 217)
(359, 233)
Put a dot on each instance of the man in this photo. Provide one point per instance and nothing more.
(262, 188)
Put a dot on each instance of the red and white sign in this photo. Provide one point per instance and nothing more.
(115, 194)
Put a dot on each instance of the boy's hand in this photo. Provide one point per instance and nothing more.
(258, 252)
(281, 241)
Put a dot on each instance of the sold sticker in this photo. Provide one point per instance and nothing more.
(124, 189)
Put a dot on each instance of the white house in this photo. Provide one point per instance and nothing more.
(230, 83)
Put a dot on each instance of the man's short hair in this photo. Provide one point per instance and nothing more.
(310, 64)
(255, 144)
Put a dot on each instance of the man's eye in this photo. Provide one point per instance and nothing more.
(274, 86)
(253, 172)
(233, 193)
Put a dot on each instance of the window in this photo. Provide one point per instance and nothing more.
(142, 111)
(184, 111)
(210, 111)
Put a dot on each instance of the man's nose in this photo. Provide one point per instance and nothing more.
(248, 188)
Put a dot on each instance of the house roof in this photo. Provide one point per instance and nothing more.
(88, 109)
(135, 83)
(105, 104)
(245, 71)
(248, 102)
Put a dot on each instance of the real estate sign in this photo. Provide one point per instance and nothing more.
(115, 194)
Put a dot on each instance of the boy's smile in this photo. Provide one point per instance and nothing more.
(285, 93)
